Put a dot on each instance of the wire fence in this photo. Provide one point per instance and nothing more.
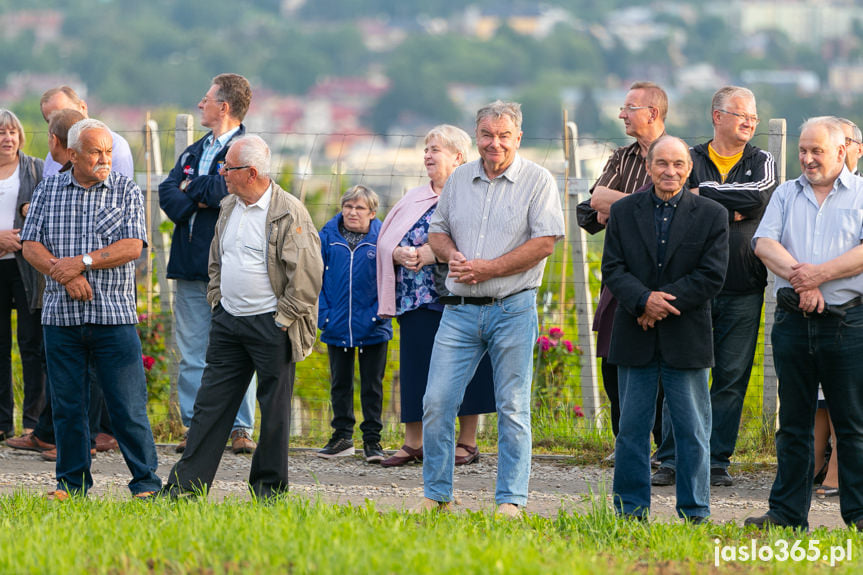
(569, 402)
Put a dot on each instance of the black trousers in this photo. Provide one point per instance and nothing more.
(239, 347)
(609, 382)
(373, 363)
(13, 296)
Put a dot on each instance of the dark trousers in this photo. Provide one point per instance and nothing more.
(13, 296)
(807, 351)
(610, 383)
(373, 363)
(239, 347)
(99, 419)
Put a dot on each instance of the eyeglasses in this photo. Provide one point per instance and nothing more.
(206, 99)
(348, 208)
(849, 141)
(746, 117)
(631, 109)
(226, 169)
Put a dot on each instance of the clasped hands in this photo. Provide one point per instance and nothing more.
(805, 279)
(465, 271)
(67, 272)
(657, 308)
(10, 241)
(413, 258)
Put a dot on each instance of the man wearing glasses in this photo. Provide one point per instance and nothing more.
(741, 177)
(190, 196)
(853, 144)
(265, 275)
(643, 114)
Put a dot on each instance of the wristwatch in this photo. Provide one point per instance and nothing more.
(88, 261)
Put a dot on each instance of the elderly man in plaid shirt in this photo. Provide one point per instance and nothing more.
(84, 231)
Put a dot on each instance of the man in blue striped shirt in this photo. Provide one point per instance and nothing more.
(84, 231)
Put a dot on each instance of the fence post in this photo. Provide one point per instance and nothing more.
(581, 282)
(776, 146)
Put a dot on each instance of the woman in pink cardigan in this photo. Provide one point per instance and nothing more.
(407, 290)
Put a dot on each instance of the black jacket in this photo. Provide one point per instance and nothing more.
(747, 191)
(190, 244)
(693, 271)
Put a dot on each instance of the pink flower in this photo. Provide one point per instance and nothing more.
(577, 411)
(544, 343)
(555, 333)
(568, 345)
(148, 362)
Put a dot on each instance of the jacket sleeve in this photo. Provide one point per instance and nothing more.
(323, 305)
(616, 274)
(176, 204)
(214, 268)
(744, 196)
(208, 189)
(304, 268)
(706, 279)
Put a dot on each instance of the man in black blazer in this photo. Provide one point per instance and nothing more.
(666, 251)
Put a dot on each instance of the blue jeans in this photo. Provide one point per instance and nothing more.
(736, 319)
(507, 331)
(192, 314)
(688, 398)
(115, 352)
(807, 351)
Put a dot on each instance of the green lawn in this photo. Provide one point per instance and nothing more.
(297, 536)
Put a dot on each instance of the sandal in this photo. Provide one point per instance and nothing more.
(397, 461)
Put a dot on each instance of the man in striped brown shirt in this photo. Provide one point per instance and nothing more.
(643, 114)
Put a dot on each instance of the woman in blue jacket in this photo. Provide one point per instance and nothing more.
(348, 320)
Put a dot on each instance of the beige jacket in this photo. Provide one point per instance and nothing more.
(294, 265)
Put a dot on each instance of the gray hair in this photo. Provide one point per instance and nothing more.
(363, 193)
(77, 129)
(722, 95)
(855, 131)
(831, 124)
(453, 138)
(665, 138)
(253, 151)
(7, 119)
(498, 109)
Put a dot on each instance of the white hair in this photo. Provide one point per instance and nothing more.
(77, 129)
(833, 126)
(253, 151)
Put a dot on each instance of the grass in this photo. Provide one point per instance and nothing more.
(293, 535)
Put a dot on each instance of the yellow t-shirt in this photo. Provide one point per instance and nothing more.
(723, 163)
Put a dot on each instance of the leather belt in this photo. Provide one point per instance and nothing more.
(463, 300)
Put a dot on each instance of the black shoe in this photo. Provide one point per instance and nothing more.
(696, 519)
(373, 452)
(654, 460)
(663, 477)
(337, 447)
(719, 477)
(763, 522)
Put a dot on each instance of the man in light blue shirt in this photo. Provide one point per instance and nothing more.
(65, 98)
(810, 237)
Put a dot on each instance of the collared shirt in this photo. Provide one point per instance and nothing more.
(624, 171)
(211, 149)
(121, 159)
(816, 234)
(246, 288)
(489, 218)
(69, 221)
(663, 213)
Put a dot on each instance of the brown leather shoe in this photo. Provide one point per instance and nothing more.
(57, 495)
(105, 442)
(241, 442)
(471, 457)
(29, 442)
(397, 461)
(51, 454)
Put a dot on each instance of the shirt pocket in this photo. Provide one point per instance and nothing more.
(109, 224)
(254, 254)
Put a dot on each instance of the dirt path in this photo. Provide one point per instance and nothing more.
(555, 484)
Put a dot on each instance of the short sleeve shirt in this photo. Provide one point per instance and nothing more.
(489, 218)
(69, 221)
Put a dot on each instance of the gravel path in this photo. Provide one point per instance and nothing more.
(555, 484)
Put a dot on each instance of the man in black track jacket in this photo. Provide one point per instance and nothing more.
(742, 178)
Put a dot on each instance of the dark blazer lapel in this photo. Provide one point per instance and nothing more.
(684, 217)
(646, 223)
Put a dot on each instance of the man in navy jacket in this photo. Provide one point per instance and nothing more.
(190, 196)
(665, 255)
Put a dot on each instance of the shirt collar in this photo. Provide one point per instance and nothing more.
(845, 179)
(658, 202)
(223, 139)
(511, 173)
(71, 176)
(263, 202)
